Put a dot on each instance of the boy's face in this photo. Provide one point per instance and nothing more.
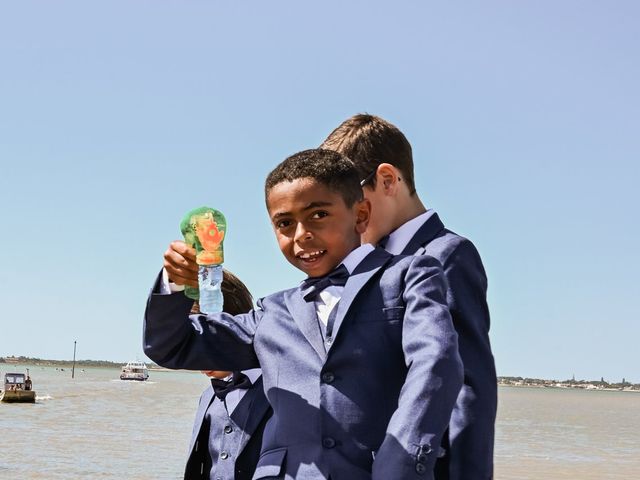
(313, 225)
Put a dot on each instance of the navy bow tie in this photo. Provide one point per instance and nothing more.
(223, 387)
(311, 287)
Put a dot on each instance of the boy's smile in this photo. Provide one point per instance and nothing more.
(314, 226)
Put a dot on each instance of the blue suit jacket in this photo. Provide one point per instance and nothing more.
(384, 389)
(469, 442)
(240, 435)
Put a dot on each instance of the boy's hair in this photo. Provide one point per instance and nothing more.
(237, 298)
(369, 141)
(330, 168)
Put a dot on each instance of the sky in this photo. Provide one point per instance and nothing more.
(117, 117)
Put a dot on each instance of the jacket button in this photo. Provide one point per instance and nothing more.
(425, 449)
(328, 442)
(224, 455)
(328, 377)
(423, 453)
(420, 468)
(228, 429)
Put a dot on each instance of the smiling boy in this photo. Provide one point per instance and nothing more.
(360, 362)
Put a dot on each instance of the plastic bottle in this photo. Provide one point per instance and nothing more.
(210, 283)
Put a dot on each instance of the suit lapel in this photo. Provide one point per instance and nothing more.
(427, 232)
(205, 401)
(358, 279)
(305, 316)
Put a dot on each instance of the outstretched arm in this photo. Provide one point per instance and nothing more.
(174, 339)
(433, 380)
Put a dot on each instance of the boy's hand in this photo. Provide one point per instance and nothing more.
(180, 264)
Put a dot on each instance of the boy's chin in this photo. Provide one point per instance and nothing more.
(317, 268)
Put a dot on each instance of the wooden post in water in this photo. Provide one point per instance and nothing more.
(73, 368)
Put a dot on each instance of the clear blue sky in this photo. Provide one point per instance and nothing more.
(116, 117)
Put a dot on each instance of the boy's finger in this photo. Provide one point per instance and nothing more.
(183, 249)
(178, 280)
(178, 270)
(180, 276)
(180, 261)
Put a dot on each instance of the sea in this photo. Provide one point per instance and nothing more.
(99, 427)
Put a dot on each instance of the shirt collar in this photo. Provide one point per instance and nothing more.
(401, 236)
(253, 374)
(356, 256)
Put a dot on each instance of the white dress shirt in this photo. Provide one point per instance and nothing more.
(330, 296)
(401, 236)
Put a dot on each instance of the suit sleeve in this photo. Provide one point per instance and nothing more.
(471, 431)
(433, 380)
(174, 339)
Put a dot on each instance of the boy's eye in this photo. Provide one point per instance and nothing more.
(320, 214)
(283, 223)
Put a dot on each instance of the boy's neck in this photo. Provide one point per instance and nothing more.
(408, 207)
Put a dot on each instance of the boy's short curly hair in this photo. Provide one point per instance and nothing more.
(327, 167)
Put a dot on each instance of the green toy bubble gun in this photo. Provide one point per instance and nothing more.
(204, 229)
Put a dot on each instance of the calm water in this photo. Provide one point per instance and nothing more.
(97, 426)
(567, 434)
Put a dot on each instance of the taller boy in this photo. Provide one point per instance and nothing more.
(363, 375)
(402, 225)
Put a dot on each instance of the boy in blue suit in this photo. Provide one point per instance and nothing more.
(360, 362)
(384, 160)
(232, 412)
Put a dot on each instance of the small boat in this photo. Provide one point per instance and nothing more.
(134, 371)
(18, 388)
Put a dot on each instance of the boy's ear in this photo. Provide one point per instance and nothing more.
(363, 214)
(387, 176)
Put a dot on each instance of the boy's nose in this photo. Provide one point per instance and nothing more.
(302, 233)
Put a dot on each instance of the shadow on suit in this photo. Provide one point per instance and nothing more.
(274, 462)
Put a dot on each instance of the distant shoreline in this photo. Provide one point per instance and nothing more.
(632, 390)
(595, 385)
(7, 362)
(40, 362)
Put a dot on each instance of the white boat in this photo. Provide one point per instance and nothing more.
(134, 371)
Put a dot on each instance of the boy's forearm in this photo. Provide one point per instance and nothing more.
(174, 339)
(415, 431)
(433, 379)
